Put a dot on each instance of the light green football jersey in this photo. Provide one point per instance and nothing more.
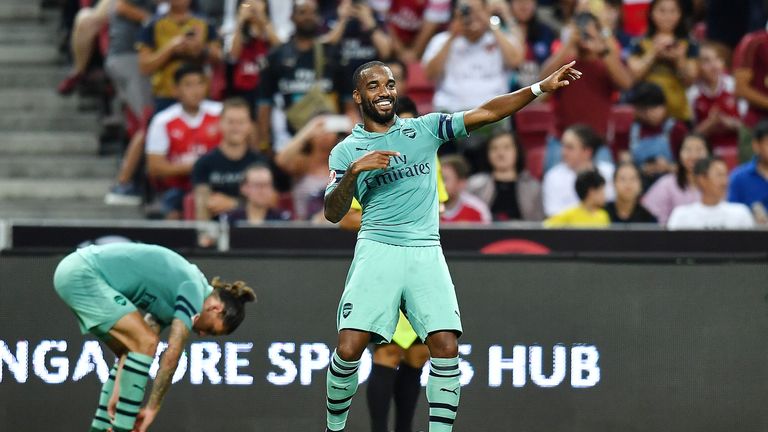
(400, 203)
(155, 279)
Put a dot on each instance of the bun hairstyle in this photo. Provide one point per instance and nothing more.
(234, 296)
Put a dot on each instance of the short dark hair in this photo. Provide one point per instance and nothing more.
(458, 163)
(188, 69)
(647, 95)
(702, 166)
(760, 131)
(357, 75)
(588, 137)
(235, 102)
(587, 181)
(254, 167)
(406, 105)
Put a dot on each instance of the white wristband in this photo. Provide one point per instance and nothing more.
(536, 89)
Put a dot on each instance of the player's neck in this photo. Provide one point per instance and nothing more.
(191, 110)
(373, 126)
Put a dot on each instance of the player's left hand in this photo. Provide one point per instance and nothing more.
(560, 78)
(144, 419)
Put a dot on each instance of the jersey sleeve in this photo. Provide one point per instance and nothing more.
(444, 127)
(338, 162)
(157, 138)
(189, 302)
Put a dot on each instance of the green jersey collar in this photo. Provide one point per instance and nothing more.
(360, 132)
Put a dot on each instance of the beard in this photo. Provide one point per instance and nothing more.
(306, 30)
(369, 110)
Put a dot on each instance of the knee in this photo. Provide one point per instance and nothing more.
(443, 345)
(388, 355)
(349, 351)
(147, 344)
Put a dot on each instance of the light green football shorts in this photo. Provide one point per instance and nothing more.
(384, 279)
(97, 305)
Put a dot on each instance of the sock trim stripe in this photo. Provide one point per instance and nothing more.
(102, 407)
(138, 362)
(128, 401)
(432, 373)
(338, 412)
(126, 413)
(444, 368)
(103, 420)
(341, 375)
(136, 371)
(340, 366)
(449, 407)
(438, 419)
(339, 401)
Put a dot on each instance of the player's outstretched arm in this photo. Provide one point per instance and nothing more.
(508, 104)
(337, 202)
(177, 340)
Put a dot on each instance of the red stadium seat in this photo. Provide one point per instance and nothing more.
(619, 124)
(534, 161)
(533, 124)
(420, 89)
(728, 154)
(189, 206)
(285, 202)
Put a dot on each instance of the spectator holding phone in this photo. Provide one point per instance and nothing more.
(170, 40)
(666, 57)
(251, 42)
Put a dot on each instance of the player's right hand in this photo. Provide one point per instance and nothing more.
(373, 160)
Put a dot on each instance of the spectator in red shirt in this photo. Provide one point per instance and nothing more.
(412, 24)
(599, 58)
(750, 70)
(253, 39)
(713, 99)
(179, 135)
(654, 136)
(461, 205)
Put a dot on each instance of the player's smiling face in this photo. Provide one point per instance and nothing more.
(377, 94)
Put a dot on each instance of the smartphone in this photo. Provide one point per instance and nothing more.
(337, 123)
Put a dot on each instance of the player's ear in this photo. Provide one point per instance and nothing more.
(356, 97)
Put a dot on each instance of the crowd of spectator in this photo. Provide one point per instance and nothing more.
(231, 107)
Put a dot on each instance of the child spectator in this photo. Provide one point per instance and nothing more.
(749, 182)
(580, 144)
(258, 190)
(305, 158)
(666, 57)
(179, 135)
(589, 213)
(217, 175)
(654, 134)
(604, 74)
(677, 188)
(509, 190)
(627, 208)
(461, 205)
(750, 71)
(712, 211)
(173, 39)
(713, 99)
(253, 38)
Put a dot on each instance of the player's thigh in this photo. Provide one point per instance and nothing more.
(388, 355)
(373, 290)
(135, 334)
(94, 302)
(429, 295)
(416, 356)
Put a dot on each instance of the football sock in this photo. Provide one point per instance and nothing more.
(101, 421)
(341, 383)
(381, 385)
(133, 380)
(407, 391)
(443, 390)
